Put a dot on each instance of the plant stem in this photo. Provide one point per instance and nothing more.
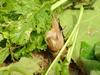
(70, 50)
(69, 55)
(70, 37)
(57, 4)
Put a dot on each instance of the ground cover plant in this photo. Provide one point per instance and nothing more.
(49, 37)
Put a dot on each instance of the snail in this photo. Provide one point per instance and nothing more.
(54, 38)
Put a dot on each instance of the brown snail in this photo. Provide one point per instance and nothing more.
(54, 38)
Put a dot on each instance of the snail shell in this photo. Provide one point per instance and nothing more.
(54, 37)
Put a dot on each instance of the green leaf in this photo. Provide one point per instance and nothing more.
(90, 65)
(89, 29)
(97, 50)
(86, 51)
(1, 37)
(3, 54)
(60, 68)
(4, 73)
(95, 72)
(65, 68)
(20, 6)
(20, 32)
(24, 23)
(26, 66)
(56, 69)
(32, 66)
(67, 22)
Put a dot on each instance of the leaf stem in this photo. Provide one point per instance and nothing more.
(70, 37)
(69, 55)
(57, 4)
(70, 50)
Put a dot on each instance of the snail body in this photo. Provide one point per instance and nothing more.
(54, 37)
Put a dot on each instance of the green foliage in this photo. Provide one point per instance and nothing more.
(60, 68)
(1, 37)
(26, 66)
(3, 54)
(89, 57)
(89, 29)
(89, 33)
(97, 50)
(67, 21)
(95, 72)
(86, 51)
(90, 65)
(24, 23)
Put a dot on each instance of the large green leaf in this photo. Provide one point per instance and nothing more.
(67, 21)
(26, 66)
(89, 26)
(89, 29)
(89, 33)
